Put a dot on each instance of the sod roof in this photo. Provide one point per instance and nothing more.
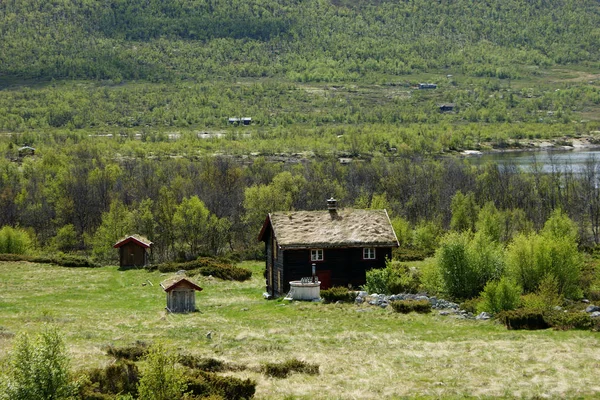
(341, 228)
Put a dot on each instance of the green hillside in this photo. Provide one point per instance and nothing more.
(309, 40)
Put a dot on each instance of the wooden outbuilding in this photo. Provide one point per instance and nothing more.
(447, 107)
(181, 294)
(133, 251)
(341, 244)
(26, 151)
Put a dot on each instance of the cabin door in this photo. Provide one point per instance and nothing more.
(325, 278)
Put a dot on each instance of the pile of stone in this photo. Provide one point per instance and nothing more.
(593, 310)
(445, 307)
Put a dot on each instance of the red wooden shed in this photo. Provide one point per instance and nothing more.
(181, 294)
(133, 251)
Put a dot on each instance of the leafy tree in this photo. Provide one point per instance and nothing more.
(464, 212)
(116, 224)
(161, 379)
(14, 240)
(39, 369)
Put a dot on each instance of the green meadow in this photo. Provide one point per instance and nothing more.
(363, 351)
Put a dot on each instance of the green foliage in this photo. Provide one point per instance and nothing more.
(14, 241)
(64, 260)
(161, 378)
(464, 212)
(570, 320)
(282, 370)
(209, 385)
(66, 238)
(118, 378)
(408, 306)
(403, 231)
(116, 224)
(523, 319)
(497, 296)
(39, 369)
(426, 236)
(393, 279)
(135, 352)
(336, 293)
(466, 264)
(203, 364)
(531, 258)
(208, 266)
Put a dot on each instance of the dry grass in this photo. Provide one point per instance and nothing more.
(363, 353)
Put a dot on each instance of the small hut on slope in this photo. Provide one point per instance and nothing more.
(181, 294)
(133, 251)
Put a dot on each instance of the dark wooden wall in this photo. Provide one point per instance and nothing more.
(132, 254)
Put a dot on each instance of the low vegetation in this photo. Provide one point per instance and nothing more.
(282, 370)
(338, 294)
(95, 307)
(408, 306)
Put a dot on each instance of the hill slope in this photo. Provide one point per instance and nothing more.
(309, 40)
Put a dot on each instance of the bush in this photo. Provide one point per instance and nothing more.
(408, 306)
(208, 266)
(203, 364)
(471, 305)
(282, 370)
(121, 377)
(569, 320)
(523, 319)
(338, 293)
(409, 254)
(205, 384)
(39, 369)
(135, 352)
(62, 260)
(14, 241)
(377, 280)
(500, 296)
(161, 379)
(393, 279)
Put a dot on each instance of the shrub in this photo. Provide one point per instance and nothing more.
(500, 296)
(72, 261)
(471, 305)
(204, 364)
(39, 369)
(407, 306)
(402, 278)
(523, 319)
(376, 281)
(161, 379)
(135, 352)
(409, 254)
(14, 240)
(206, 384)
(338, 293)
(282, 370)
(121, 377)
(208, 266)
(569, 320)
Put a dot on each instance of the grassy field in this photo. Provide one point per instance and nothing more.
(363, 352)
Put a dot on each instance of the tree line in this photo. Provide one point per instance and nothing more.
(85, 196)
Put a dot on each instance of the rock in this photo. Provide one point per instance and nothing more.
(595, 314)
(444, 313)
(483, 316)
(592, 308)
(586, 301)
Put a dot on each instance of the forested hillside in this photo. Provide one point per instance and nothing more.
(310, 40)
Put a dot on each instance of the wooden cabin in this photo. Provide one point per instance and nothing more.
(342, 245)
(26, 151)
(133, 251)
(447, 107)
(181, 294)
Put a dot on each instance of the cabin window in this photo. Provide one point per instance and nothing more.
(316, 255)
(369, 253)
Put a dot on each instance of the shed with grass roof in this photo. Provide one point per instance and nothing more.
(133, 251)
(342, 244)
(181, 294)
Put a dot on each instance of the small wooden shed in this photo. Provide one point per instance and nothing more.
(181, 294)
(133, 251)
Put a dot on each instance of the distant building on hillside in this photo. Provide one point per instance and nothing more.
(341, 245)
(446, 107)
(238, 121)
(427, 86)
(26, 151)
